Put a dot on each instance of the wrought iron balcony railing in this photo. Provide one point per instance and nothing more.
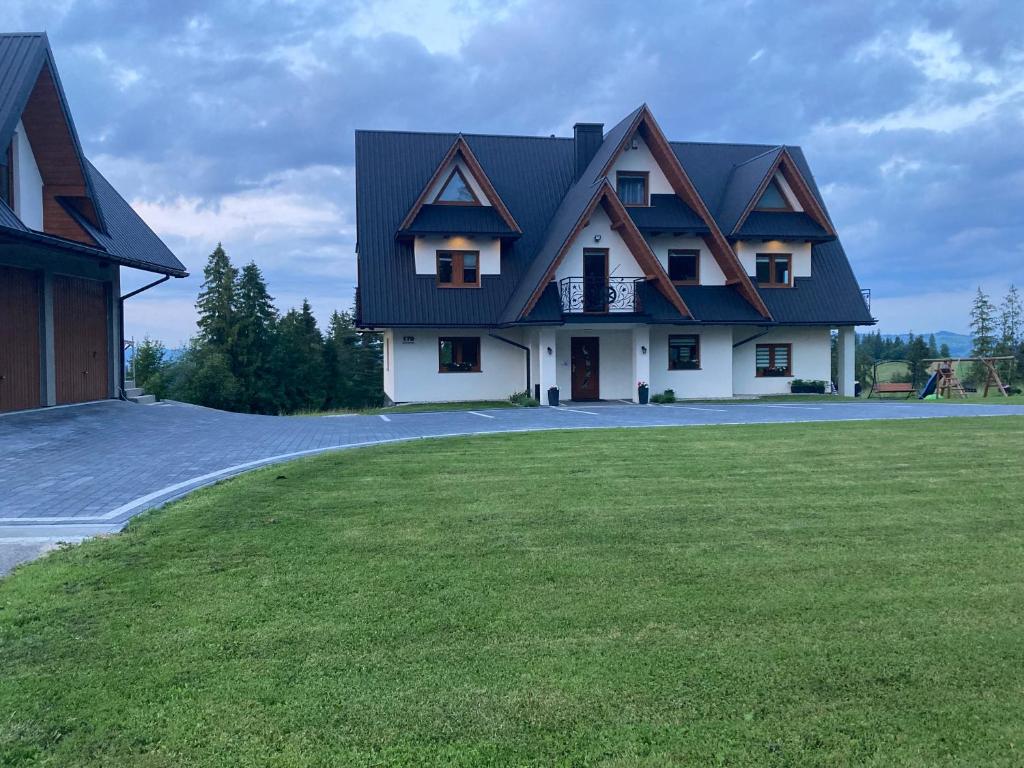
(600, 295)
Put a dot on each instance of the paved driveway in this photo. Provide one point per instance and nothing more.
(69, 473)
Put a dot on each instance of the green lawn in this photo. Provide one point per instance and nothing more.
(775, 595)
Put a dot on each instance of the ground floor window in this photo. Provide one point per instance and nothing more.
(458, 354)
(684, 352)
(774, 359)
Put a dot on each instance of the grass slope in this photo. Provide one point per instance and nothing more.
(840, 594)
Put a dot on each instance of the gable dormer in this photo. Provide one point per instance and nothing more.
(459, 181)
(636, 175)
(782, 189)
(778, 197)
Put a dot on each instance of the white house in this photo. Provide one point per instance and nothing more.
(498, 264)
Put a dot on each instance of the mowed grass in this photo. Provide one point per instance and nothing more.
(774, 595)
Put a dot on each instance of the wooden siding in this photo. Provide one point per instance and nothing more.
(80, 338)
(58, 160)
(20, 300)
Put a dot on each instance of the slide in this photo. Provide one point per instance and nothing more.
(929, 387)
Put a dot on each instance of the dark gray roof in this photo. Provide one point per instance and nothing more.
(123, 237)
(535, 178)
(531, 175)
(831, 295)
(782, 225)
(459, 219)
(666, 213)
(21, 58)
(743, 182)
(9, 220)
(127, 238)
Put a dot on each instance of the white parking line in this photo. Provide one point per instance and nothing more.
(576, 410)
(385, 418)
(696, 408)
(477, 413)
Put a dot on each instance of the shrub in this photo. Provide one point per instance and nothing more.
(668, 396)
(523, 400)
(808, 386)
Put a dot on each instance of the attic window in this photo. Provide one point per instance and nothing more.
(631, 187)
(773, 199)
(456, 190)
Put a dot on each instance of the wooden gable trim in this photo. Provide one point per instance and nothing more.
(720, 248)
(785, 164)
(623, 224)
(460, 148)
(60, 163)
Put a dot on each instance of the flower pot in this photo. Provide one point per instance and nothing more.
(643, 394)
(553, 396)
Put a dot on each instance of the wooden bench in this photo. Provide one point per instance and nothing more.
(893, 388)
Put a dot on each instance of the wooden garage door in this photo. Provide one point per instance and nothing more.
(80, 341)
(20, 292)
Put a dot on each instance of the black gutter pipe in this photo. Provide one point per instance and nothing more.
(748, 340)
(522, 347)
(120, 323)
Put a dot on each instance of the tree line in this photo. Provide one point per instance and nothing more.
(996, 330)
(249, 358)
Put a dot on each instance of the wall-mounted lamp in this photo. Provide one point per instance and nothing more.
(551, 351)
(597, 238)
(643, 350)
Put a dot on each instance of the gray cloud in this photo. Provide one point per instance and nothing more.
(910, 114)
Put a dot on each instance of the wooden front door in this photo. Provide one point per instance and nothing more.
(585, 383)
(20, 292)
(80, 340)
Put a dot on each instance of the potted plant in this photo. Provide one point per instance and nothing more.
(553, 396)
(643, 392)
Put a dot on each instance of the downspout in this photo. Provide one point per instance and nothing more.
(120, 324)
(751, 338)
(522, 347)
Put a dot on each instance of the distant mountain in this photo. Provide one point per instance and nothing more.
(959, 343)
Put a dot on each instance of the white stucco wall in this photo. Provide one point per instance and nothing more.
(470, 179)
(641, 159)
(425, 252)
(414, 375)
(812, 359)
(389, 356)
(710, 272)
(28, 193)
(747, 251)
(714, 379)
(615, 362)
(620, 261)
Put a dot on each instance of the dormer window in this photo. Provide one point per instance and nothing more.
(456, 190)
(458, 269)
(774, 270)
(773, 199)
(631, 187)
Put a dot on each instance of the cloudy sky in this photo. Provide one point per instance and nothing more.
(234, 121)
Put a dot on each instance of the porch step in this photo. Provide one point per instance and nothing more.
(129, 383)
(143, 399)
(133, 391)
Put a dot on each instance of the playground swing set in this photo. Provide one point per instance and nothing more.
(943, 381)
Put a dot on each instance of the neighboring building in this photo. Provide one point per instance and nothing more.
(497, 264)
(64, 234)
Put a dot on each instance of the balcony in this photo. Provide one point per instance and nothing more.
(600, 295)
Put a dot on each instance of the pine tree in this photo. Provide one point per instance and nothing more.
(1011, 318)
(944, 351)
(982, 325)
(917, 351)
(253, 349)
(216, 301)
(983, 333)
(299, 361)
(933, 350)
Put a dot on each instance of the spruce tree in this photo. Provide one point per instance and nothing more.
(216, 301)
(933, 350)
(253, 349)
(983, 333)
(299, 361)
